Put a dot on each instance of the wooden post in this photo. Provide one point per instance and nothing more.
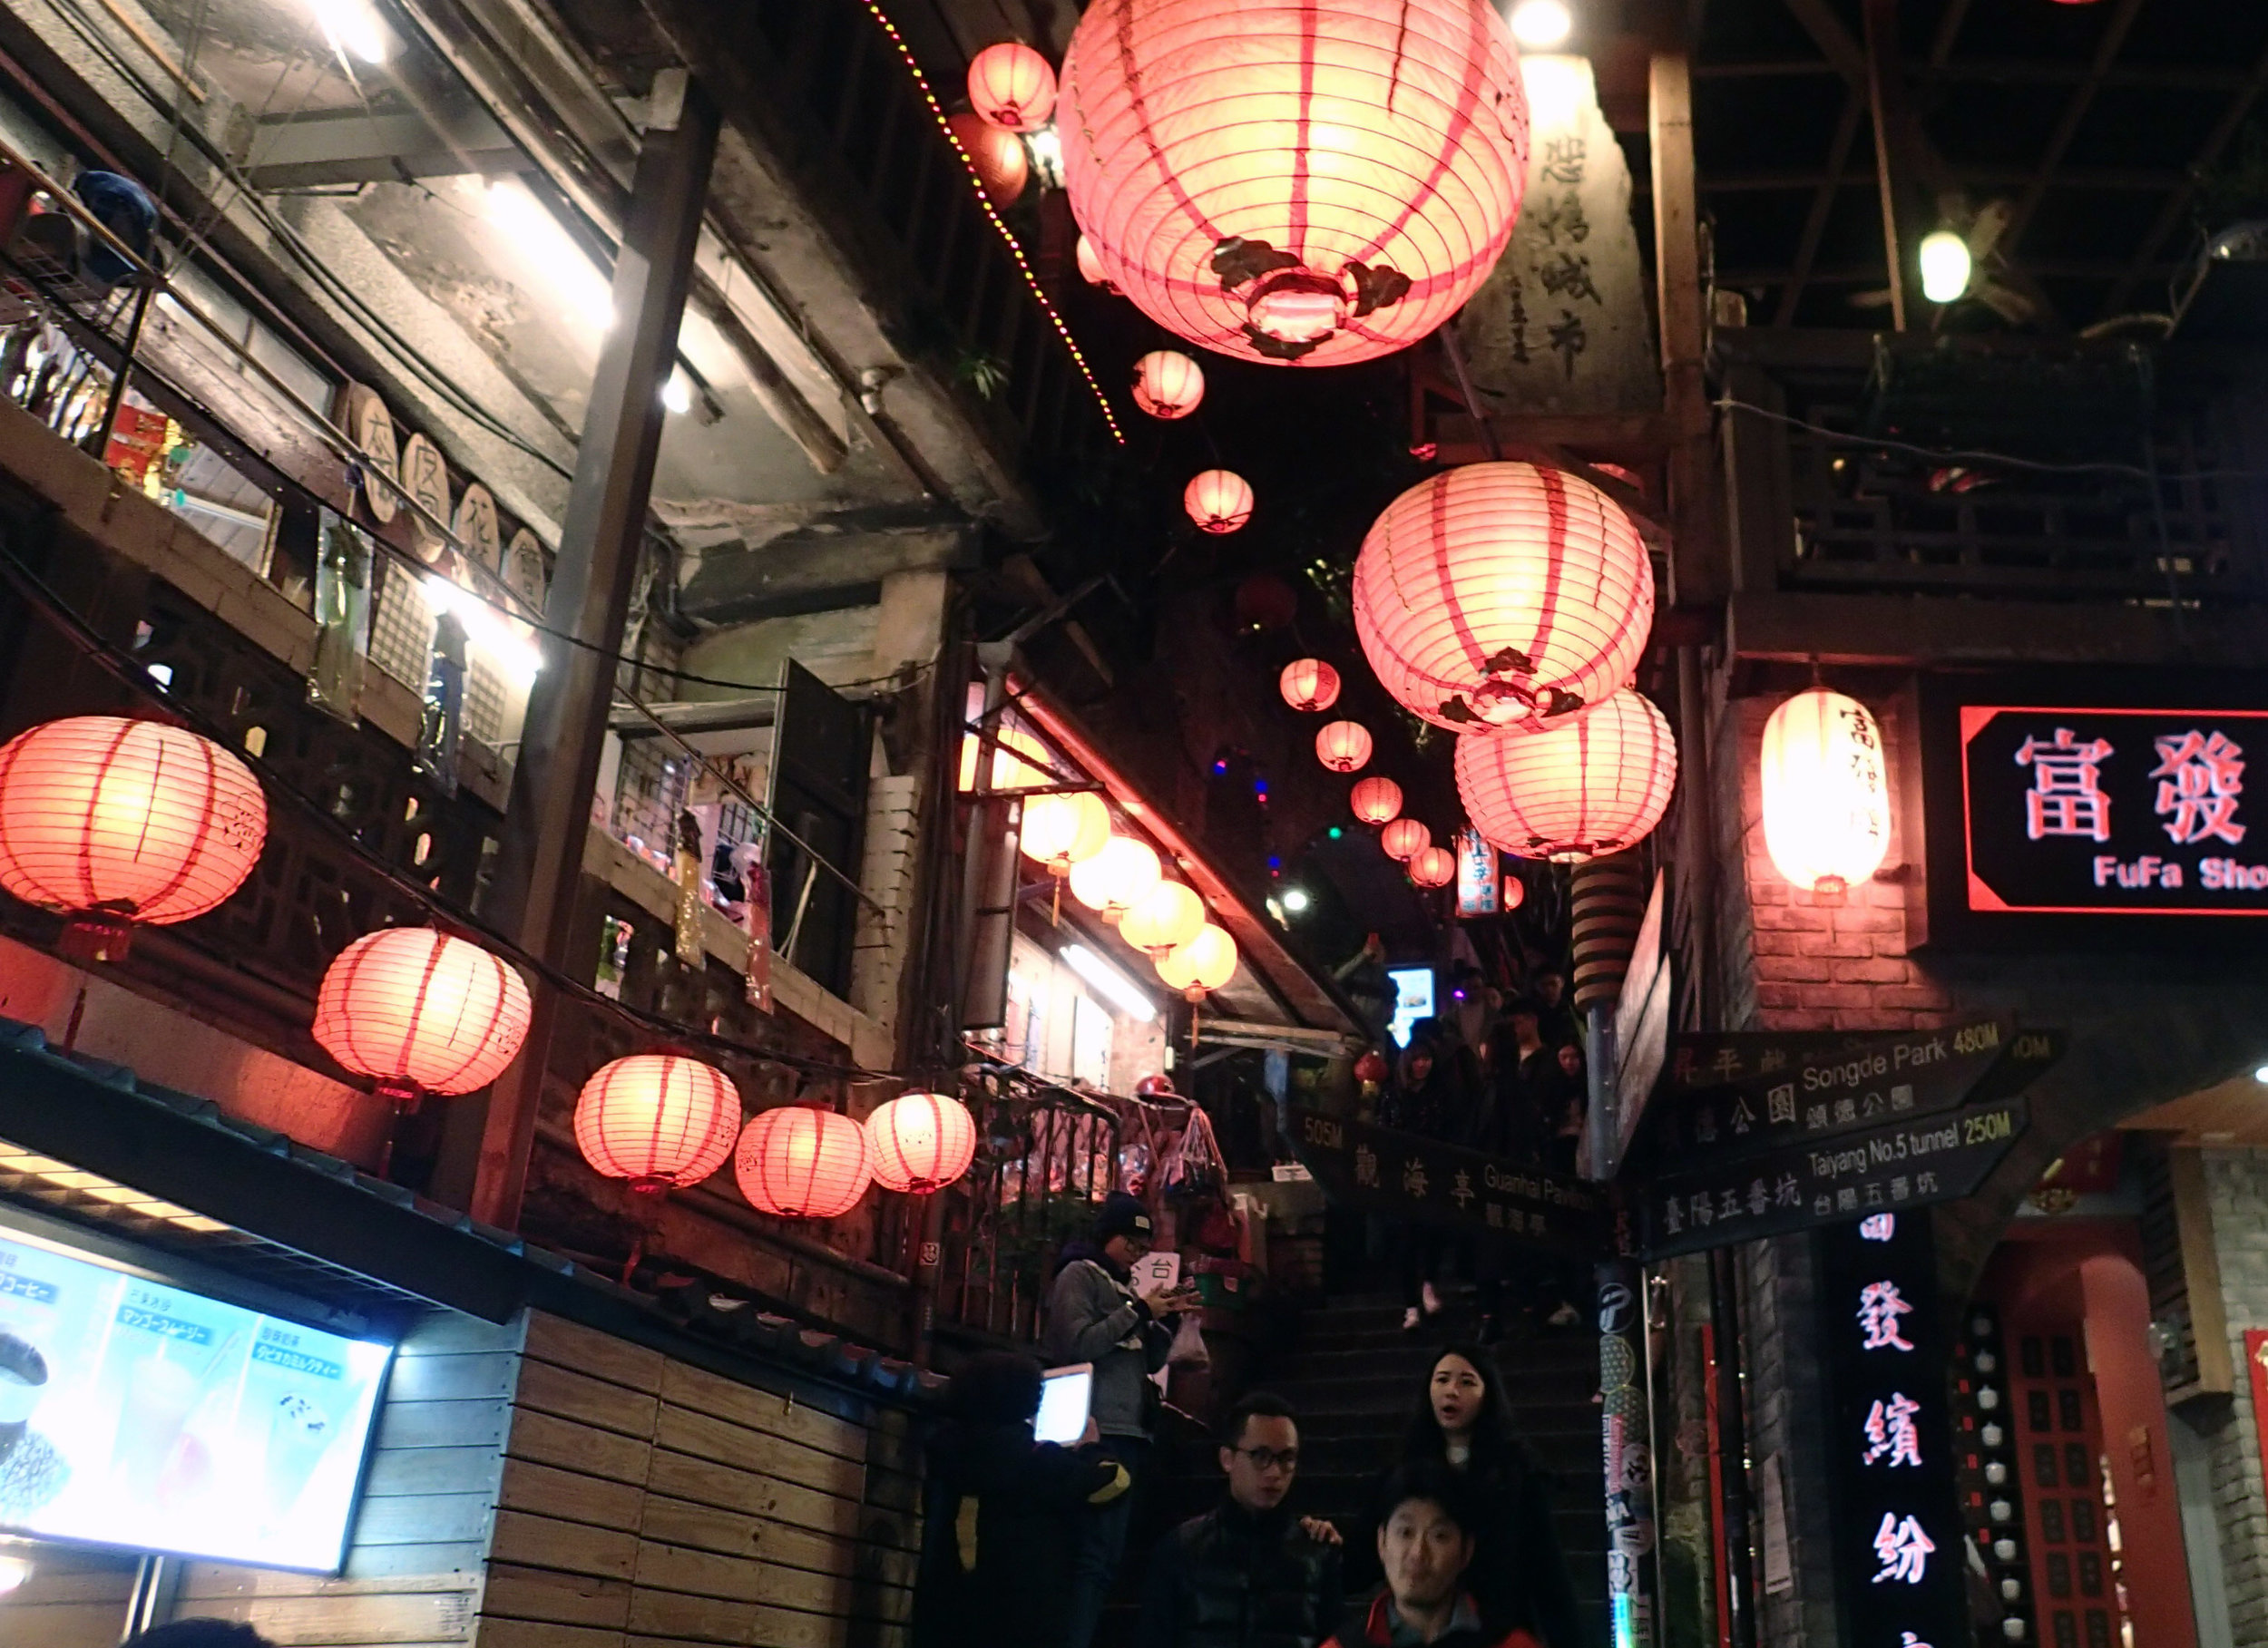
(1697, 571)
(1886, 96)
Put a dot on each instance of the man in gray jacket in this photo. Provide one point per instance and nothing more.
(1096, 1314)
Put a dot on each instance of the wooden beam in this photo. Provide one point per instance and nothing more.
(2106, 48)
(1924, 630)
(1697, 575)
(1886, 97)
(1822, 207)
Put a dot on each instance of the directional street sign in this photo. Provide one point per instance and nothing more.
(1903, 1163)
(1410, 1177)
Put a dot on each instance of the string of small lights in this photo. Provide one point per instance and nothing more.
(1008, 238)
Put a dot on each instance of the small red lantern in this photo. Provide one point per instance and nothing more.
(1217, 499)
(1167, 384)
(800, 1162)
(1002, 165)
(1011, 86)
(921, 1141)
(1514, 893)
(419, 1011)
(1310, 685)
(119, 823)
(661, 1120)
(1404, 839)
(1371, 1067)
(1575, 792)
(1343, 745)
(1376, 801)
(1434, 867)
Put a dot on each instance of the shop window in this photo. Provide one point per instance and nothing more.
(2083, 1521)
(2034, 1357)
(2069, 1409)
(2041, 1410)
(2065, 1357)
(2044, 1464)
(2051, 1522)
(2078, 1468)
(2058, 1574)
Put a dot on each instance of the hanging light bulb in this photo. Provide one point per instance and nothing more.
(1945, 267)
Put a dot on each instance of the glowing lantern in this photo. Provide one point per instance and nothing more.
(1434, 867)
(1063, 831)
(1002, 165)
(1826, 797)
(1286, 184)
(1205, 962)
(1011, 86)
(116, 823)
(1343, 745)
(1020, 761)
(1167, 383)
(1371, 1067)
(661, 1120)
(1576, 792)
(1167, 917)
(799, 1162)
(1217, 499)
(417, 1011)
(1502, 597)
(1091, 265)
(1116, 879)
(921, 1141)
(1376, 800)
(1404, 839)
(1309, 684)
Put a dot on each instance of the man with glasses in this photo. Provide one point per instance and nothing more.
(1247, 1574)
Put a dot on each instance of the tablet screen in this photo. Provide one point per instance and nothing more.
(1064, 1398)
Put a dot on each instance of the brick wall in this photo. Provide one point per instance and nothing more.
(2237, 1184)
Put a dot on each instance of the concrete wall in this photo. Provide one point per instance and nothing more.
(2236, 1184)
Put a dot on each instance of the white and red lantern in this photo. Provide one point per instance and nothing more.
(1011, 86)
(417, 1011)
(1309, 684)
(1217, 499)
(661, 1120)
(1405, 838)
(1502, 597)
(1577, 792)
(802, 1162)
(1434, 867)
(1376, 800)
(1343, 747)
(1296, 184)
(1002, 165)
(1826, 792)
(921, 1141)
(1167, 384)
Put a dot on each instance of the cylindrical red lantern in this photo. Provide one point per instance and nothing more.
(417, 1011)
(116, 823)
(1288, 184)
(921, 1141)
(1309, 684)
(1376, 801)
(1011, 86)
(1576, 792)
(1405, 838)
(1166, 918)
(1217, 499)
(661, 1120)
(1502, 597)
(799, 1162)
(1434, 867)
(1167, 383)
(1002, 165)
(1343, 745)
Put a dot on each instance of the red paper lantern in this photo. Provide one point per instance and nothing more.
(1002, 165)
(1091, 265)
(1514, 893)
(1371, 1067)
(117, 823)
(1288, 184)
(921, 1141)
(417, 1011)
(1217, 499)
(1375, 800)
(799, 1162)
(1167, 383)
(1011, 86)
(1309, 684)
(1502, 597)
(661, 1120)
(1404, 839)
(1434, 867)
(1576, 792)
(1343, 745)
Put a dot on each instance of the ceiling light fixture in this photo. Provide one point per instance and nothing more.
(515, 209)
(1109, 981)
(1296, 898)
(1541, 25)
(354, 26)
(1945, 266)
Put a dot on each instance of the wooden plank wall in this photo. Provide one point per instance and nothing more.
(649, 1504)
(74, 1599)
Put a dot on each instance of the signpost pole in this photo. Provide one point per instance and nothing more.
(1625, 1404)
(1732, 1444)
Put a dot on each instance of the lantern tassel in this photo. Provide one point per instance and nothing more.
(1055, 912)
(96, 936)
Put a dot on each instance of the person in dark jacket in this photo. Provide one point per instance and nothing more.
(1000, 1515)
(1430, 1099)
(1427, 1544)
(1246, 1575)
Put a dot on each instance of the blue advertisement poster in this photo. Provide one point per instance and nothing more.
(139, 1415)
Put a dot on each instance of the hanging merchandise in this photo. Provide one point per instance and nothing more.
(1218, 500)
(688, 867)
(1167, 383)
(1826, 792)
(756, 917)
(1405, 838)
(1595, 787)
(1116, 879)
(921, 1141)
(1343, 747)
(1309, 684)
(1187, 1350)
(1195, 1166)
(441, 713)
(802, 1162)
(1011, 86)
(998, 156)
(419, 1011)
(342, 620)
(1376, 801)
(1295, 183)
(1434, 867)
(661, 1120)
(1168, 916)
(1502, 597)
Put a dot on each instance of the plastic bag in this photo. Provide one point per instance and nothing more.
(1188, 1344)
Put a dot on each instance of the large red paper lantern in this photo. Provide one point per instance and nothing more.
(1166, 917)
(1296, 182)
(1167, 383)
(661, 1120)
(1203, 962)
(1116, 879)
(1375, 800)
(1002, 165)
(1502, 597)
(1309, 684)
(1404, 839)
(417, 1011)
(799, 1162)
(1577, 792)
(1011, 86)
(1343, 745)
(116, 823)
(1434, 867)
(1089, 263)
(1217, 499)
(921, 1141)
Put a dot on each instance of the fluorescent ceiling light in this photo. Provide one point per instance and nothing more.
(354, 26)
(1109, 980)
(549, 247)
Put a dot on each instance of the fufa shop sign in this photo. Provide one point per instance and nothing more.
(2100, 818)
